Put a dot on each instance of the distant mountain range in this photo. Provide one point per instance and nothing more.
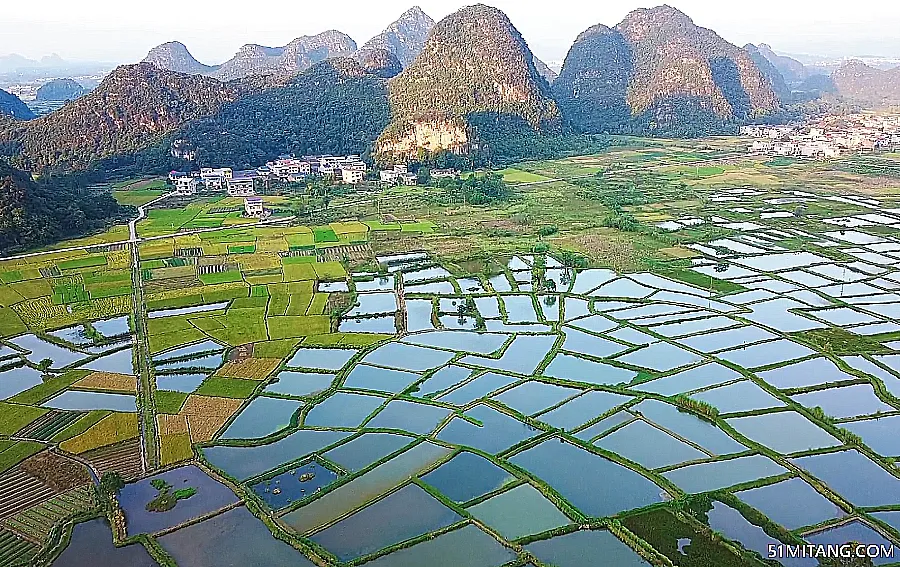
(60, 89)
(859, 82)
(403, 40)
(468, 85)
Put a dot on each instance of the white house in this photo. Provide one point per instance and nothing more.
(352, 176)
(186, 186)
(241, 187)
(253, 207)
(444, 173)
(215, 178)
(409, 179)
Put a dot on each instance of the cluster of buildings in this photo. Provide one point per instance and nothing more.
(828, 137)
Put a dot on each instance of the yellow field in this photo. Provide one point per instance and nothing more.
(111, 429)
(108, 381)
(250, 368)
(206, 415)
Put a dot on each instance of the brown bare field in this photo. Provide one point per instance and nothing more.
(108, 381)
(206, 415)
(249, 368)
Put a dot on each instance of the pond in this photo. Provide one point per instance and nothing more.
(300, 383)
(437, 288)
(568, 367)
(691, 327)
(418, 315)
(409, 416)
(582, 548)
(411, 512)
(575, 308)
(368, 448)
(792, 503)
(520, 309)
(343, 409)
(496, 433)
(380, 379)
(185, 383)
(196, 348)
(595, 323)
(849, 401)
(581, 342)
(460, 341)
(477, 388)
(408, 357)
(426, 274)
(632, 336)
(689, 426)
(294, 485)
(378, 284)
(210, 361)
(660, 356)
(879, 434)
(734, 526)
(235, 534)
(843, 316)
(76, 400)
(264, 416)
(854, 532)
(573, 472)
(92, 545)
(187, 310)
(522, 356)
(467, 476)
(246, 462)
(377, 482)
(322, 358)
(741, 396)
(854, 477)
(118, 362)
(705, 477)
(41, 349)
(549, 305)
(693, 379)
(806, 373)
(470, 285)
(382, 325)
(518, 512)
(18, 380)
(464, 547)
(532, 397)
(589, 280)
(648, 446)
(442, 380)
(373, 303)
(582, 409)
(133, 498)
(607, 423)
(765, 354)
(489, 307)
(721, 340)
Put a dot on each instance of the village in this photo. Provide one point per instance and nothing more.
(828, 137)
(347, 170)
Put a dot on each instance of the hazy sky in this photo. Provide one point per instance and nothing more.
(120, 31)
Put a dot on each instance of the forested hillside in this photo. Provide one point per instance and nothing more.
(34, 214)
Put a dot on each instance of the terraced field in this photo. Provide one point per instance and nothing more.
(657, 363)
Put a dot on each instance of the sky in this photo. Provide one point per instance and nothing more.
(114, 31)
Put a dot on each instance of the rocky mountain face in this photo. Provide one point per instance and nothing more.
(252, 59)
(770, 72)
(858, 82)
(12, 106)
(293, 58)
(133, 107)
(379, 62)
(403, 38)
(545, 71)
(174, 56)
(475, 64)
(792, 70)
(60, 89)
(658, 72)
(336, 107)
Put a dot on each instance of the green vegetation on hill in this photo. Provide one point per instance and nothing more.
(38, 213)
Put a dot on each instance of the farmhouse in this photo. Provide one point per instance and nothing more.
(253, 207)
(186, 186)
